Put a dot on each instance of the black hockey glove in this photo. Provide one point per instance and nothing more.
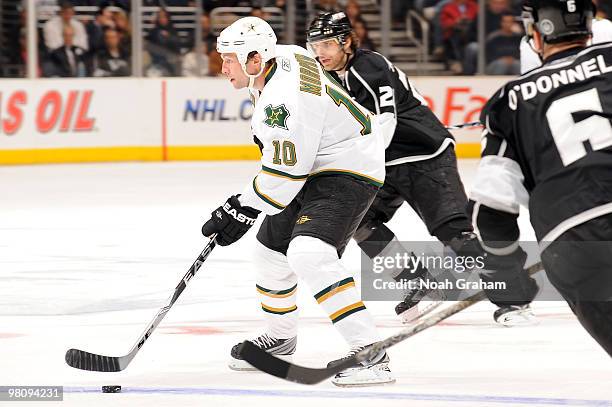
(230, 221)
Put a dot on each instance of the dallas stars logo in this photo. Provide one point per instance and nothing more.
(276, 116)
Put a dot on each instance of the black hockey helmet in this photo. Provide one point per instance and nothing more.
(329, 25)
(558, 20)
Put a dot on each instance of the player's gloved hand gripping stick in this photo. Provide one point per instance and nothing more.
(230, 221)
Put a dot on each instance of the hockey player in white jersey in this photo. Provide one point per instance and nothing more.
(601, 28)
(321, 167)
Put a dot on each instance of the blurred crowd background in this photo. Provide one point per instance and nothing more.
(94, 38)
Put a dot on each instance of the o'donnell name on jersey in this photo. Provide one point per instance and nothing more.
(545, 83)
(459, 284)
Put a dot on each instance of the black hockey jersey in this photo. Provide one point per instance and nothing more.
(379, 86)
(548, 142)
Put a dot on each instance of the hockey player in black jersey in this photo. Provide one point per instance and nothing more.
(548, 145)
(421, 166)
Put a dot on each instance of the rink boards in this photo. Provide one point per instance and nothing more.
(125, 119)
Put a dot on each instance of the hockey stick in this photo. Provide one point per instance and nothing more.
(265, 362)
(463, 125)
(80, 359)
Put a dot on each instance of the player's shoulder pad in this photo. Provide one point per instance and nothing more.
(499, 99)
(371, 62)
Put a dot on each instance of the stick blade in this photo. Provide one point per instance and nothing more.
(274, 366)
(89, 361)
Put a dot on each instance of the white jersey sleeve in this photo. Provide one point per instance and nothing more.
(602, 32)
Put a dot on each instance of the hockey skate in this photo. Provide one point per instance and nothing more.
(515, 315)
(369, 373)
(282, 348)
(409, 309)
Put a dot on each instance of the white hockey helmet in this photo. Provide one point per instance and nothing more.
(246, 35)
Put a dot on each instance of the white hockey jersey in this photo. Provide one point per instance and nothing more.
(602, 32)
(308, 126)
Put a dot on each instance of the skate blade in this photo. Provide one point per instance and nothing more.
(415, 313)
(366, 384)
(512, 320)
(364, 379)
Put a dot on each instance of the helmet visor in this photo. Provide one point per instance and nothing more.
(324, 46)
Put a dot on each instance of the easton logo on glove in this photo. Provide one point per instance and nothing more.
(240, 217)
(230, 221)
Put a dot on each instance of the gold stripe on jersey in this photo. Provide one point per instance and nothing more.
(334, 289)
(276, 293)
(346, 311)
(269, 73)
(265, 197)
(310, 79)
(278, 311)
(369, 180)
(281, 174)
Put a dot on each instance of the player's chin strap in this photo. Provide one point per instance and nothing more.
(530, 43)
(253, 77)
(348, 58)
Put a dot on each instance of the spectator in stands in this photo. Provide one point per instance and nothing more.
(457, 20)
(257, 11)
(353, 11)
(95, 29)
(19, 54)
(208, 37)
(54, 28)
(192, 67)
(16, 50)
(282, 4)
(164, 47)
(123, 27)
(494, 12)
(112, 60)
(502, 49)
(45, 9)
(214, 63)
(16, 41)
(67, 61)
(604, 9)
(325, 6)
(361, 29)
(399, 8)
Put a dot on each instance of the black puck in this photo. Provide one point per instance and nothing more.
(111, 389)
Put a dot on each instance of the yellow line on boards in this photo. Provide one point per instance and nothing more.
(213, 153)
(80, 155)
(174, 153)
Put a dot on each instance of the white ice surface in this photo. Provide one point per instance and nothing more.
(88, 253)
